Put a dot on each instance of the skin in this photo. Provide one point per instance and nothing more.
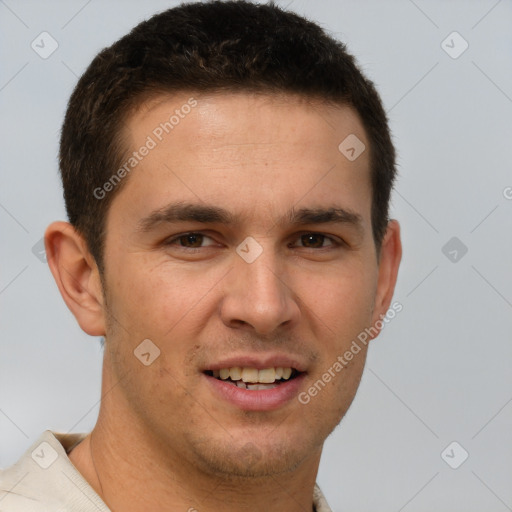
(162, 437)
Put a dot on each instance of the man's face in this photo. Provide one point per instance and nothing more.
(181, 272)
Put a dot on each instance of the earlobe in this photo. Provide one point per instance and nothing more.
(76, 275)
(389, 263)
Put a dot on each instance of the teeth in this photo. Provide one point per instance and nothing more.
(250, 375)
(235, 373)
(267, 376)
(253, 375)
(268, 386)
(286, 373)
(261, 386)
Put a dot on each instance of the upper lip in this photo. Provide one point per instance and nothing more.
(259, 362)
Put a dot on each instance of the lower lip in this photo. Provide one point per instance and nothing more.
(256, 400)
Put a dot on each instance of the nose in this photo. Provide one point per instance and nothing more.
(258, 297)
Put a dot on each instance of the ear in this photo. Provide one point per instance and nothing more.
(76, 275)
(389, 262)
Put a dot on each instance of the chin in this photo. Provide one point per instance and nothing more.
(254, 459)
(251, 462)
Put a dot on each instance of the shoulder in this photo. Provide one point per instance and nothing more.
(20, 489)
(43, 479)
(319, 501)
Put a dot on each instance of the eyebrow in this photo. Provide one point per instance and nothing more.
(185, 212)
(204, 214)
(324, 216)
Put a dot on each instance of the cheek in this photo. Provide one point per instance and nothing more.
(155, 299)
(342, 302)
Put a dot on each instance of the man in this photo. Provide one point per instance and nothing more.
(227, 173)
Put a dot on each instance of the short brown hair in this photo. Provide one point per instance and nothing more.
(215, 46)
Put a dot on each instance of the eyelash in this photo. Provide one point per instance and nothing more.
(334, 242)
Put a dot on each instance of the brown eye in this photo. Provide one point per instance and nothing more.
(191, 240)
(313, 240)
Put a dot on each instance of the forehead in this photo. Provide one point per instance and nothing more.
(240, 116)
(244, 150)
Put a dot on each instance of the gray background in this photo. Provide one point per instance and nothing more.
(440, 372)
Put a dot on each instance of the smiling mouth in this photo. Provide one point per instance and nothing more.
(254, 379)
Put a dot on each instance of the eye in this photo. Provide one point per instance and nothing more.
(316, 241)
(191, 240)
